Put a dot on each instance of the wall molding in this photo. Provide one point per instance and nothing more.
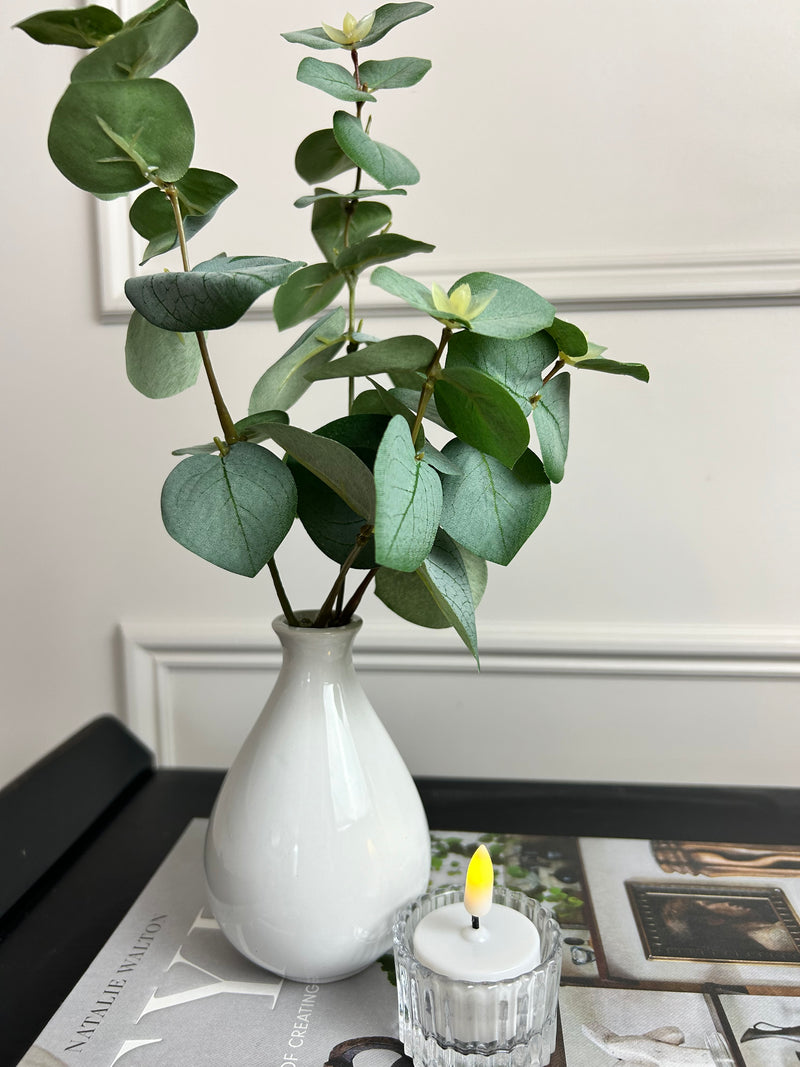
(685, 279)
(154, 654)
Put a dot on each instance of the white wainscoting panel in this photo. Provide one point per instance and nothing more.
(657, 704)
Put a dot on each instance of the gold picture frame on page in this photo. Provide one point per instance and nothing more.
(715, 924)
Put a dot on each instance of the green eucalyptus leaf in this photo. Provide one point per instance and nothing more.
(407, 289)
(315, 37)
(212, 296)
(408, 501)
(379, 249)
(200, 194)
(356, 194)
(139, 51)
(413, 293)
(319, 158)
(408, 379)
(151, 12)
(481, 412)
(516, 365)
(305, 293)
(551, 419)
(410, 397)
(282, 384)
(514, 311)
(393, 406)
(329, 218)
(332, 79)
(370, 402)
(329, 522)
(446, 579)
(83, 27)
(393, 73)
(569, 338)
(379, 401)
(410, 352)
(232, 510)
(409, 597)
(489, 509)
(439, 461)
(159, 363)
(106, 136)
(390, 15)
(258, 427)
(333, 463)
(386, 165)
(611, 366)
(386, 18)
(253, 428)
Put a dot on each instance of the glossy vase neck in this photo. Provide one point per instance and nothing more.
(318, 653)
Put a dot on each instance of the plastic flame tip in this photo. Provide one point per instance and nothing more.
(480, 882)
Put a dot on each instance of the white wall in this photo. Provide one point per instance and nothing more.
(637, 155)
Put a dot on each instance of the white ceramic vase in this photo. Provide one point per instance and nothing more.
(318, 834)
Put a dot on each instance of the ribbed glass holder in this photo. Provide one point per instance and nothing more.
(445, 1022)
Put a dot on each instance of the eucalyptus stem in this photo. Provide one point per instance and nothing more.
(328, 613)
(325, 616)
(351, 306)
(351, 204)
(559, 363)
(356, 74)
(226, 422)
(283, 599)
(346, 613)
(431, 374)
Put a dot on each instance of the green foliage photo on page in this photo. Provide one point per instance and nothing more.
(442, 453)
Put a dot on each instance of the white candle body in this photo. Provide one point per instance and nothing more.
(507, 944)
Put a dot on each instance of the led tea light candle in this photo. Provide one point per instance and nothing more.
(477, 975)
(474, 940)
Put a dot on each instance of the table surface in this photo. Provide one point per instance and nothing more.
(51, 935)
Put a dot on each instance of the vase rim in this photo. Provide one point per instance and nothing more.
(280, 625)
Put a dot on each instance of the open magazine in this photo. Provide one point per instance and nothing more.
(674, 953)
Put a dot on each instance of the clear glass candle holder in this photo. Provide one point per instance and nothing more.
(447, 1022)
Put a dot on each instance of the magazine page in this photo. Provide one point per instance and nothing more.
(674, 952)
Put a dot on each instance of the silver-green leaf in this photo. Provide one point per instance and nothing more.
(446, 579)
(408, 501)
(232, 510)
(160, 363)
(386, 165)
(108, 137)
(514, 311)
(282, 384)
(397, 73)
(334, 464)
(212, 296)
(396, 353)
(139, 51)
(410, 598)
(489, 509)
(332, 79)
(551, 419)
